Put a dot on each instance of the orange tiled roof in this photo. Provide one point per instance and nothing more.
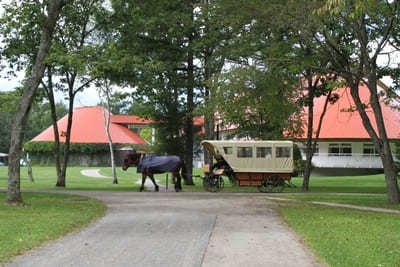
(339, 123)
(129, 119)
(88, 127)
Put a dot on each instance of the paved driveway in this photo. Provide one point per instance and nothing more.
(178, 229)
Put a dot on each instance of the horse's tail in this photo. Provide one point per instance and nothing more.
(184, 171)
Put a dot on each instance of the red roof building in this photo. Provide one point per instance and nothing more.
(343, 141)
(342, 120)
(129, 119)
(88, 127)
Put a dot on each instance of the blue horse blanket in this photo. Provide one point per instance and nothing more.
(158, 164)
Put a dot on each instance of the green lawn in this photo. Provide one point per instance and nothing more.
(44, 217)
(45, 178)
(346, 237)
(346, 184)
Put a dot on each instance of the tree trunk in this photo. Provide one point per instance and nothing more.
(107, 127)
(209, 120)
(209, 135)
(32, 83)
(389, 166)
(56, 151)
(380, 141)
(188, 158)
(29, 167)
(62, 181)
(309, 150)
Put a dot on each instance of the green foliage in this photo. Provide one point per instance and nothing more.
(87, 148)
(40, 118)
(8, 106)
(299, 163)
(20, 26)
(146, 134)
(299, 166)
(151, 51)
(260, 103)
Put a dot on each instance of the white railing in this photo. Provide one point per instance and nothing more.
(335, 160)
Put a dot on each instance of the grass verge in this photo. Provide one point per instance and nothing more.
(345, 237)
(367, 200)
(44, 217)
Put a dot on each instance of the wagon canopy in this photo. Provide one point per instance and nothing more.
(254, 156)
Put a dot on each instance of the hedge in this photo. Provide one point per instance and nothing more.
(87, 148)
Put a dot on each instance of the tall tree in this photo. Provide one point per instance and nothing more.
(257, 95)
(106, 92)
(157, 56)
(214, 38)
(256, 104)
(74, 55)
(354, 35)
(30, 86)
(69, 62)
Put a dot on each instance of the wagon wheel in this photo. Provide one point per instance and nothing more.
(278, 183)
(233, 179)
(213, 183)
(266, 186)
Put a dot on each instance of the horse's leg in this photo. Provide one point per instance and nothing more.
(178, 185)
(144, 174)
(154, 182)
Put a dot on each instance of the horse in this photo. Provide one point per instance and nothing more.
(149, 165)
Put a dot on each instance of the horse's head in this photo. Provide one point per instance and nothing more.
(131, 159)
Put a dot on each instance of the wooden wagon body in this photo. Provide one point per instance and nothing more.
(265, 164)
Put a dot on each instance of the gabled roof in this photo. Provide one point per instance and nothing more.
(88, 127)
(342, 123)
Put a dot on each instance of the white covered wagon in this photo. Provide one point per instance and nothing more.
(265, 164)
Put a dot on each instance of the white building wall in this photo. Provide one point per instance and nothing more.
(356, 160)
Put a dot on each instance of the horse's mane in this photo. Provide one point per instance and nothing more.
(134, 156)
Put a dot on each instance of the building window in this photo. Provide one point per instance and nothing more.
(345, 150)
(228, 150)
(339, 150)
(369, 150)
(333, 150)
(264, 152)
(316, 150)
(244, 152)
(282, 152)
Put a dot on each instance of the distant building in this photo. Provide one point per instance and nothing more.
(344, 146)
(88, 127)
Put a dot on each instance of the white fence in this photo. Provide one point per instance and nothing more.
(329, 160)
